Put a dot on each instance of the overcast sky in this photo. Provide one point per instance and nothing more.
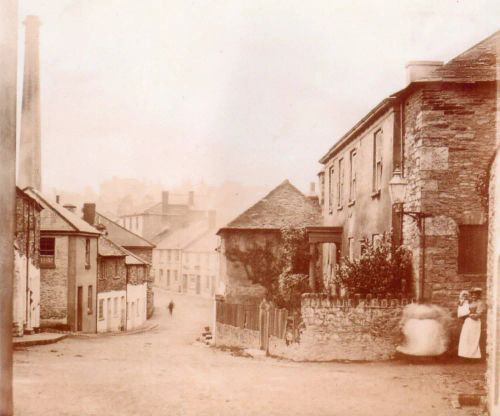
(254, 91)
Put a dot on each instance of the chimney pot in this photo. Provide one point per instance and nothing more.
(164, 202)
(421, 70)
(89, 213)
(58, 199)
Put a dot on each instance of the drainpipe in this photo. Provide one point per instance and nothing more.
(8, 103)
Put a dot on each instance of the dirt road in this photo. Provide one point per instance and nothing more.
(166, 372)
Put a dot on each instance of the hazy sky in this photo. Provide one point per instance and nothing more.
(254, 91)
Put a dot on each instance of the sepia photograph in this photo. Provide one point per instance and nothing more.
(249, 208)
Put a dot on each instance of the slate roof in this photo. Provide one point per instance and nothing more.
(70, 218)
(204, 243)
(478, 63)
(179, 201)
(284, 206)
(182, 237)
(121, 235)
(109, 249)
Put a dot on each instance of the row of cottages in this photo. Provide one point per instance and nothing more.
(415, 165)
(84, 275)
(260, 225)
(121, 288)
(68, 263)
(26, 285)
(128, 240)
(185, 259)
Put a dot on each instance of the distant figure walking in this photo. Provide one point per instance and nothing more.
(171, 307)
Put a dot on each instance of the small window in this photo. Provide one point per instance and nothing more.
(138, 307)
(175, 275)
(340, 184)
(472, 248)
(330, 189)
(177, 255)
(377, 160)
(376, 240)
(47, 252)
(351, 249)
(87, 253)
(352, 177)
(115, 306)
(136, 223)
(168, 277)
(90, 300)
(169, 255)
(101, 309)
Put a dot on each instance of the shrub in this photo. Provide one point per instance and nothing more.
(379, 270)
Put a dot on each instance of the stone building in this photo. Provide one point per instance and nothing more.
(126, 239)
(121, 288)
(111, 287)
(26, 287)
(174, 211)
(200, 264)
(260, 225)
(493, 298)
(185, 260)
(435, 137)
(68, 263)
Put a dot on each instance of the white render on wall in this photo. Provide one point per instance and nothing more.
(109, 320)
(136, 305)
(27, 278)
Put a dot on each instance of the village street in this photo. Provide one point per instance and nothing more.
(166, 372)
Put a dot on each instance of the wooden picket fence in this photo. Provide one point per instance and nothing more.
(267, 319)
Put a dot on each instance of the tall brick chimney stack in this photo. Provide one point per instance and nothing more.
(30, 169)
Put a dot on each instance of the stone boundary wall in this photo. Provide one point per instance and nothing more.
(232, 336)
(352, 329)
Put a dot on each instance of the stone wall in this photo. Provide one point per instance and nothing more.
(111, 274)
(344, 329)
(493, 300)
(146, 254)
(54, 287)
(449, 138)
(232, 336)
(238, 287)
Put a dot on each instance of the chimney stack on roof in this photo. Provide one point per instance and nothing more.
(58, 199)
(89, 213)
(421, 70)
(164, 202)
(191, 198)
(70, 207)
(30, 162)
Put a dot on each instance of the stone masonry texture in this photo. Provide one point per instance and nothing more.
(449, 139)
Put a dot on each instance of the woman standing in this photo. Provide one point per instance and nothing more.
(468, 346)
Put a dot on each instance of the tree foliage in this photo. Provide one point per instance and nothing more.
(379, 270)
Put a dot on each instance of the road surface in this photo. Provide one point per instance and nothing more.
(166, 372)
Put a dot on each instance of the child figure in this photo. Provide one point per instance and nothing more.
(463, 306)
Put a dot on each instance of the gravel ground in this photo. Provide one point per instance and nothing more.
(166, 372)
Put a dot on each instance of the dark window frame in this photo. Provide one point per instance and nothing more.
(472, 249)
